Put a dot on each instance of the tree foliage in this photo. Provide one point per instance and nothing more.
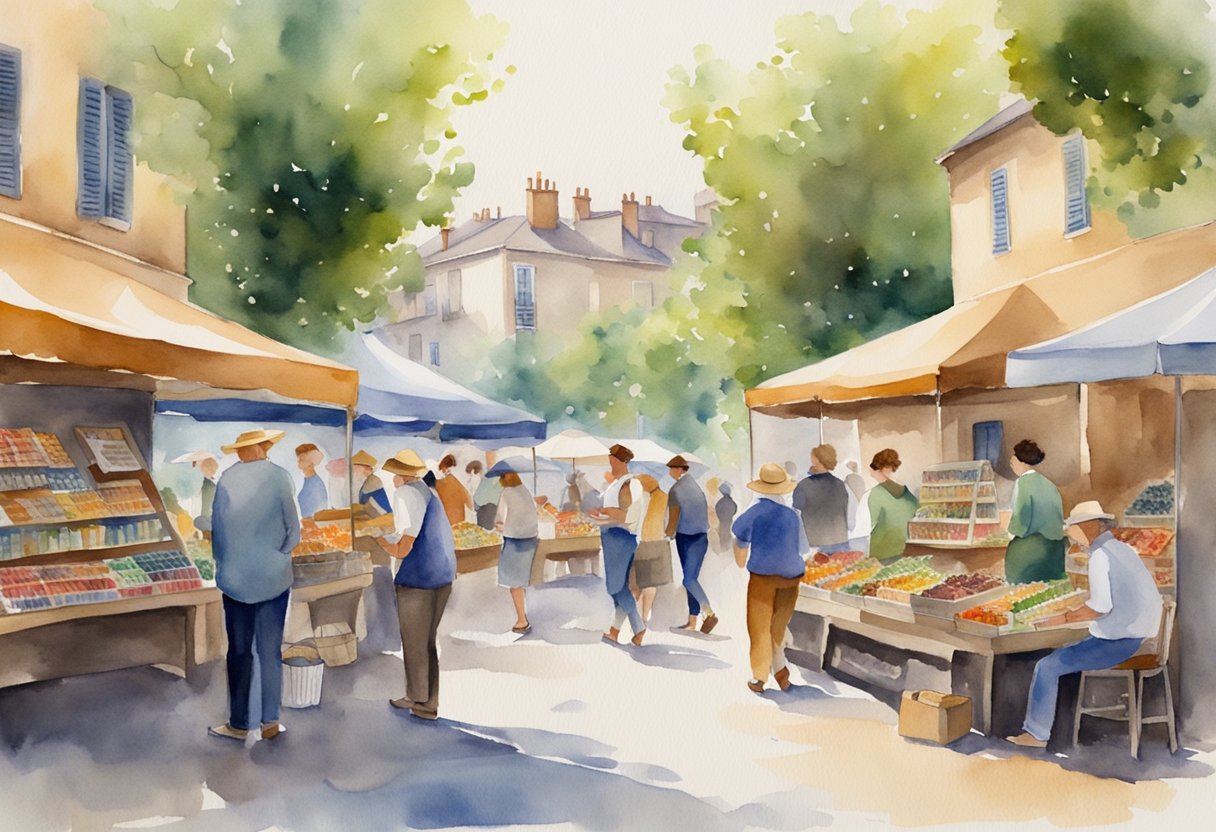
(307, 137)
(1135, 79)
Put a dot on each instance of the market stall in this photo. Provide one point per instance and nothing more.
(572, 539)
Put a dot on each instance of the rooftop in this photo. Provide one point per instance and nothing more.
(515, 234)
(1003, 119)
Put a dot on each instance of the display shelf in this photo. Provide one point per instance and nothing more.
(962, 488)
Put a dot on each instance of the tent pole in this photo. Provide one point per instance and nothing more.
(350, 471)
(1177, 464)
(821, 439)
(937, 410)
(535, 487)
(751, 444)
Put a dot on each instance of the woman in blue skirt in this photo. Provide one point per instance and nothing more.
(516, 521)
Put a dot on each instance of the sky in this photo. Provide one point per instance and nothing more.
(584, 106)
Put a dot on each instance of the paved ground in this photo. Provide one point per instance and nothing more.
(555, 730)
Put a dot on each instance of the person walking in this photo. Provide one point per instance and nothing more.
(622, 513)
(770, 542)
(725, 510)
(423, 541)
(516, 521)
(823, 501)
(652, 563)
(688, 524)
(891, 505)
(452, 493)
(485, 501)
(1036, 552)
(254, 527)
(1123, 608)
(313, 496)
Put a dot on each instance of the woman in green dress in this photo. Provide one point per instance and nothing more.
(892, 505)
(1036, 552)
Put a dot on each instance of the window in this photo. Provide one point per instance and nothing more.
(643, 293)
(419, 304)
(987, 439)
(452, 302)
(1076, 205)
(648, 238)
(1000, 211)
(415, 348)
(593, 296)
(10, 122)
(103, 143)
(525, 297)
(434, 353)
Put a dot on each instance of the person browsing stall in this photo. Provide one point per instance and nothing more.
(1037, 550)
(622, 514)
(254, 527)
(313, 496)
(1123, 609)
(891, 505)
(452, 493)
(688, 524)
(516, 521)
(423, 541)
(372, 494)
(823, 501)
(770, 542)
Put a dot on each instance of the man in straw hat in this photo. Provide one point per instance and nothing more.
(770, 542)
(622, 514)
(427, 550)
(688, 523)
(1123, 609)
(372, 495)
(254, 527)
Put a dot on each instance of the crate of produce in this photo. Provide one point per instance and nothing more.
(958, 593)
(473, 536)
(1153, 507)
(887, 607)
(973, 627)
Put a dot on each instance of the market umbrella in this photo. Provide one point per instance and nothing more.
(573, 445)
(525, 465)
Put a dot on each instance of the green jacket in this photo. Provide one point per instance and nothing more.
(891, 507)
(1037, 508)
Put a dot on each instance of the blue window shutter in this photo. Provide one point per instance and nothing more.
(10, 122)
(120, 164)
(435, 353)
(986, 441)
(1000, 211)
(525, 298)
(91, 150)
(1076, 205)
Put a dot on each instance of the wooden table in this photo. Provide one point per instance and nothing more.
(175, 632)
(564, 549)
(937, 637)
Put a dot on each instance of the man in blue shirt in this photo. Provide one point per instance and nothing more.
(770, 542)
(313, 496)
(688, 523)
(254, 527)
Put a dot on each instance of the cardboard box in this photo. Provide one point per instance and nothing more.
(934, 717)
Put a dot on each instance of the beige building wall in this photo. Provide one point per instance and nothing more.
(1131, 438)
(909, 425)
(59, 42)
(1033, 156)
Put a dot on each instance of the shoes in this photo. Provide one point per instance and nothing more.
(1027, 740)
(524, 630)
(612, 636)
(684, 628)
(270, 730)
(711, 621)
(401, 704)
(782, 678)
(636, 641)
(425, 714)
(755, 686)
(228, 732)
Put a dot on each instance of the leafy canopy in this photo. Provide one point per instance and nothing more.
(306, 137)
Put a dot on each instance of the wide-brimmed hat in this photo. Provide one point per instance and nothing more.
(1084, 512)
(678, 461)
(773, 480)
(405, 462)
(253, 437)
(363, 458)
(620, 452)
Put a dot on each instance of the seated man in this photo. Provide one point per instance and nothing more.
(1123, 609)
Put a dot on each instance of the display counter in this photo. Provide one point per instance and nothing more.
(584, 548)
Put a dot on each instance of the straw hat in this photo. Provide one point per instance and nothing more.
(1084, 512)
(405, 462)
(773, 480)
(253, 437)
(363, 458)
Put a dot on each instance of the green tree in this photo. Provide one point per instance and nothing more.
(307, 138)
(1135, 79)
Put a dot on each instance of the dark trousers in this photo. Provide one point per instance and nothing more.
(691, 548)
(419, 612)
(257, 625)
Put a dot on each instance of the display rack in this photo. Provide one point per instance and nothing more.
(958, 506)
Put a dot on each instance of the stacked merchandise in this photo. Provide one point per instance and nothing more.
(958, 507)
(29, 542)
(170, 571)
(24, 588)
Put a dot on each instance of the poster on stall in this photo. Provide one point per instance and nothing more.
(110, 449)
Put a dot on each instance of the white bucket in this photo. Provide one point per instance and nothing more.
(302, 674)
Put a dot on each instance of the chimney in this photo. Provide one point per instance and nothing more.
(647, 202)
(582, 203)
(498, 213)
(629, 213)
(443, 237)
(542, 203)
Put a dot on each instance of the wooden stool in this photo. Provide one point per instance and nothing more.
(1135, 670)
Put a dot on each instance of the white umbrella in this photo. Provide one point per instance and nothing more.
(574, 445)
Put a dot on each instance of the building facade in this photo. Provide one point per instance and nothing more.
(491, 277)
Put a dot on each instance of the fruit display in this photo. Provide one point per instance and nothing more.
(859, 572)
(473, 536)
(903, 567)
(901, 585)
(957, 587)
(1055, 589)
(997, 613)
(199, 551)
(1148, 543)
(575, 524)
(1156, 500)
(823, 566)
(319, 538)
(19, 448)
(1068, 600)
(547, 513)
(57, 456)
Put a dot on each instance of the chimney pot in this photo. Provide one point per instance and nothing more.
(498, 213)
(443, 237)
(647, 200)
(542, 204)
(632, 197)
(529, 183)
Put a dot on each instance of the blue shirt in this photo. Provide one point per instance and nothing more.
(777, 539)
(431, 562)
(688, 497)
(313, 497)
(254, 527)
